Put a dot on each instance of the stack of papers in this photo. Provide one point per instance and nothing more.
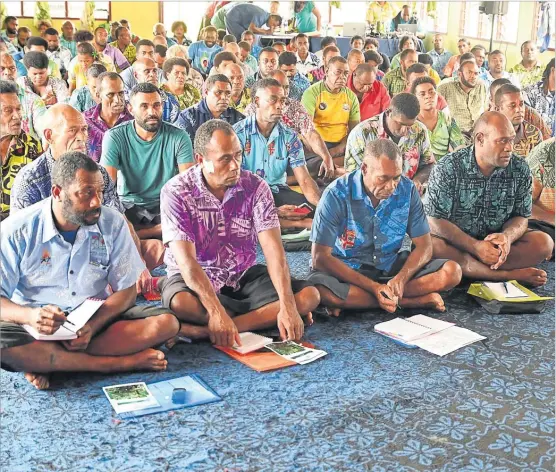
(435, 336)
(251, 342)
(296, 352)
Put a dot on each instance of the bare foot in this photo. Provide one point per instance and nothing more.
(193, 331)
(39, 381)
(529, 276)
(308, 319)
(171, 342)
(432, 300)
(149, 359)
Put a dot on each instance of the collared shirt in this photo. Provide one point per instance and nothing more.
(360, 233)
(117, 57)
(9, 41)
(394, 82)
(446, 135)
(32, 110)
(541, 163)
(193, 117)
(224, 233)
(478, 205)
(81, 99)
(269, 157)
(171, 106)
(415, 146)
(144, 166)
(545, 105)
(40, 268)
(62, 57)
(526, 138)
(487, 78)
(251, 62)
(311, 62)
(440, 61)
(188, 98)
(97, 128)
(294, 93)
(464, 107)
(527, 77)
(243, 102)
(331, 112)
(56, 90)
(34, 183)
(130, 52)
(71, 45)
(294, 116)
(22, 150)
(374, 101)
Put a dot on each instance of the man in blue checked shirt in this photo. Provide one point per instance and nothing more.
(357, 234)
(55, 255)
(269, 147)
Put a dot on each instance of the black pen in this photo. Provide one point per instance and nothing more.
(388, 298)
(66, 313)
(506, 287)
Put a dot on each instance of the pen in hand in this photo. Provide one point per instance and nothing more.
(388, 298)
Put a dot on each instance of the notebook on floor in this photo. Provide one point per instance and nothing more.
(407, 330)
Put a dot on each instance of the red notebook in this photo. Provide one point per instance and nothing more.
(261, 361)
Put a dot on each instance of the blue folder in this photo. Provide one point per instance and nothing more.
(197, 393)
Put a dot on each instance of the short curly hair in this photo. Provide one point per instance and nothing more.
(177, 24)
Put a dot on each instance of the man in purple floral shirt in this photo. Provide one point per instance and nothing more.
(212, 217)
(111, 111)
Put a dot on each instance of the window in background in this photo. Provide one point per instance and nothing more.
(436, 24)
(13, 9)
(72, 10)
(174, 11)
(538, 17)
(478, 25)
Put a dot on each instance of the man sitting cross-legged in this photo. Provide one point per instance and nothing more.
(80, 249)
(212, 217)
(358, 230)
(478, 202)
(268, 148)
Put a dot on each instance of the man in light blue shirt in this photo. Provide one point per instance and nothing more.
(269, 147)
(358, 231)
(200, 52)
(440, 56)
(55, 255)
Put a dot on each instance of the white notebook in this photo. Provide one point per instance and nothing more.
(251, 342)
(78, 317)
(448, 340)
(410, 329)
(505, 290)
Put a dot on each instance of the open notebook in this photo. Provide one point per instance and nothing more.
(407, 330)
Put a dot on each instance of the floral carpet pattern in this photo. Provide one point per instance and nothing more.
(369, 405)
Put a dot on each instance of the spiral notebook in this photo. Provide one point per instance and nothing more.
(407, 330)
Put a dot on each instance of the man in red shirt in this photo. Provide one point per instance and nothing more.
(372, 95)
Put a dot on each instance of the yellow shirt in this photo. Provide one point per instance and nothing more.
(331, 112)
(384, 13)
(434, 76)
(78, 77)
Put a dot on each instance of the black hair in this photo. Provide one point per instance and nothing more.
(216, 78)
(160, 49)
(505, 90)
(65, 168)
(144, 42)
(421, 81)
(403, 41)
(335, 59)
(268, 49)
(96, 69)
(287, 58)
(221, 34)
(107, 75)
(224, 56)
(52, 32)
(143, 87)
(83, 36)
(35, 59)
(468, 56)
(327, 41)
(175, 61)
(355, 38)
(37, 41)
(425, 59)
(416, 68)
(262, 84)
(229, 38)
(86, 48)
(7, 86)
(383, 147)
(204, 133)
(119, 29)
(373, 56)
(372, 41)
(405, 104)
(406, 52)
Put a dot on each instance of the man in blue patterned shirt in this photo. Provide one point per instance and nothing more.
(478, 202)
(80, 250)
(287, 62)
(358, 231)
(269, 147)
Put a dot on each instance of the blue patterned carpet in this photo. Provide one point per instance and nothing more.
(369, 405)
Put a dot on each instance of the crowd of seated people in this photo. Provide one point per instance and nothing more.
(122, 153)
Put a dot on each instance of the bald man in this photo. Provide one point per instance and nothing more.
(145, 71)
(160, 30)
(66, 130)
(486, 232)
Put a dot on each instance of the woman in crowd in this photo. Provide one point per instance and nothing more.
(194, 78)
(177, 71)
(50, 89)
(307, 17)
(407, 42)
(179, 28)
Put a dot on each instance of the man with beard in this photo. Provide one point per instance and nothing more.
(399, 124)
(509, 101)
(101, 45)
(17, 148)
(497, 70)
(215, 106)
(478, 204)
(9, 29)
(141, 155)
(200, 52)
(66, 130)
(23, 34)
(80, 250)
(466, 96)
(213, 216)
(268, 61)
(269, 147)
(59, 54)
(395, 80)
(334, 108)
(110, 112)
(357, 234)
(145, 71)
